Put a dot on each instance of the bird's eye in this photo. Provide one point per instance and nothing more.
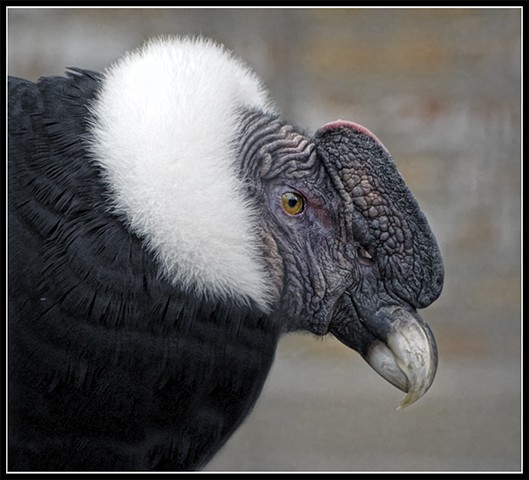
(292, 203)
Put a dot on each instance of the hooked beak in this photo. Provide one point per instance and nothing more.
(405, 352)
(398, 345)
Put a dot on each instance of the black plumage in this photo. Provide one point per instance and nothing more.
(155, 257)
(76, 274)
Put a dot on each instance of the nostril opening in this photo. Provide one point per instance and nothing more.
(365, 256)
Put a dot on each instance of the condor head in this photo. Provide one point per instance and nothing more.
(351, 253)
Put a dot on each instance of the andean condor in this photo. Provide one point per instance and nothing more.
(165, 228)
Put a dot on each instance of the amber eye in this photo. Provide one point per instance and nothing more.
(292, 203)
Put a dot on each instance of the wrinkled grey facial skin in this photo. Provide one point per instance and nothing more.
(360, 258)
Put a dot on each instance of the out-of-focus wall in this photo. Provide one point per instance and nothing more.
(441, 89)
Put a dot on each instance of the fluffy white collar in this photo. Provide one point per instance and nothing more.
(164, 130)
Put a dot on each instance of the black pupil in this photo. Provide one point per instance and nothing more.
(292, 202)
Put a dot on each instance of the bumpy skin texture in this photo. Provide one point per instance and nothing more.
(361, 235)
(112, 368)
(384, 216)
(359, 259)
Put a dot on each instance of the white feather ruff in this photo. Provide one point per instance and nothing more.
(164, 130)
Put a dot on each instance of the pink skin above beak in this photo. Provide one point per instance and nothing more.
(352, 126)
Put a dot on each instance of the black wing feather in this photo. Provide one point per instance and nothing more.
(110, 367)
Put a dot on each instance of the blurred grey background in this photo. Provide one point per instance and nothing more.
(441, 89)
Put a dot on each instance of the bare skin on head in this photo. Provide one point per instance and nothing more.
(356, 258)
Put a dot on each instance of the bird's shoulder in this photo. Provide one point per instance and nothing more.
(100, 343)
